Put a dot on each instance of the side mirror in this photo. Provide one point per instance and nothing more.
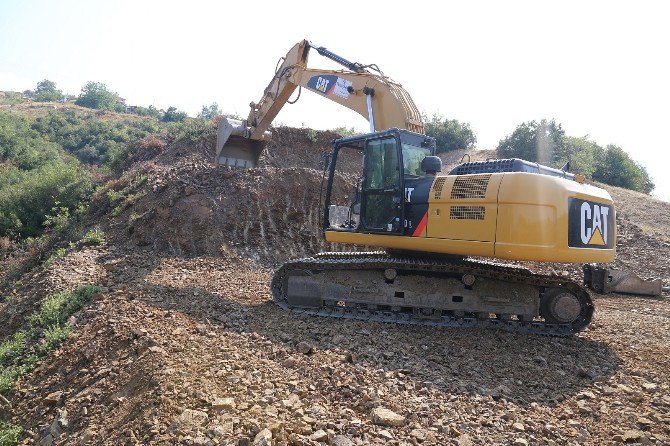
(431, 165)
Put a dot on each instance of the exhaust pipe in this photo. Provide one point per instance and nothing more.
(234, 145)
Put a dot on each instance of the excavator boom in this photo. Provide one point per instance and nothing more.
(382, 101)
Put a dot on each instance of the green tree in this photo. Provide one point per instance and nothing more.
(546, 142)
(210, 111)
(582, 153)
(618, 169)
(542, 141)
(46, 91)
(450, 134)
(96, 95)
(174, 115)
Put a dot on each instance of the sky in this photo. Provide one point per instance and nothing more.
(600, 68)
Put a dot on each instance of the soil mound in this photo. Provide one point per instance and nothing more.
(181, 203)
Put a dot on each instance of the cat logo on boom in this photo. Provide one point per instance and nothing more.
(590, 224)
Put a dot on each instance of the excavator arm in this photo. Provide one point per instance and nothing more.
(382, 101)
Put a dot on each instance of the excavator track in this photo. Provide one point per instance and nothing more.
(547, 305)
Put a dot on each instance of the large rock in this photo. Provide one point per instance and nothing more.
(385, 417)
(341, 440)
(465, 440)
(304, 348)
(223, 404)
(631, 436)
(192, 417)
(263, 438)
(319, 435)
(53, 398)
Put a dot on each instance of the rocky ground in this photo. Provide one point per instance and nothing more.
(183, 345)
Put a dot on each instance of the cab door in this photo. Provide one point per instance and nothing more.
(381, 195)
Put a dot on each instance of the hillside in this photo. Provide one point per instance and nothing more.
(182, 344)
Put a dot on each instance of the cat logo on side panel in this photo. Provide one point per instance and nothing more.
(590, 225)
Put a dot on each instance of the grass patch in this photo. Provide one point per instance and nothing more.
(94, 237)
(59, 254)
(126, 197)
(57, 308)
(47, 329)
(12, 347)
(53, 337)
(9, 434)
(9, 375)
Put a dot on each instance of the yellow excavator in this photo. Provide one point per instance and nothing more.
(430, 224)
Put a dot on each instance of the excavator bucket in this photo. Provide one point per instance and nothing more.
(234, 145)
(603, 280)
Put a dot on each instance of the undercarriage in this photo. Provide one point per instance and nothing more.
(424, 290)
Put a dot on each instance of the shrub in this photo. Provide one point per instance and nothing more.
(12, 347)
(148, 111)
(618, 169)
(27, 197)
(140, 150)
(94, 237)
(59, 254)
(9, 375)
(91, 140)
(193, 132)
(22, 147)
(345, 131)
(9, 434)
(53, 337)
(36, 176)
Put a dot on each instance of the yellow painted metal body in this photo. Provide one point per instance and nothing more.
(513, 216)
(393, 106)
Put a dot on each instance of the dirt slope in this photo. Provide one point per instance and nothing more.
(183, 346)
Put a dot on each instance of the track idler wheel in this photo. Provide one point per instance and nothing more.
(559, 306)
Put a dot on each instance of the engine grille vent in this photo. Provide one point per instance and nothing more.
(437, 187)
(470, 187)
(467, 212)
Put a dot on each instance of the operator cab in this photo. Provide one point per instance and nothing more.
(379, 182)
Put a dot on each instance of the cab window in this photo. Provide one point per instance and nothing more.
(412, 157)
(381, 164)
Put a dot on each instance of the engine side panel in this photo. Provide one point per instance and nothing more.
(538, 213)
(464, 208)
